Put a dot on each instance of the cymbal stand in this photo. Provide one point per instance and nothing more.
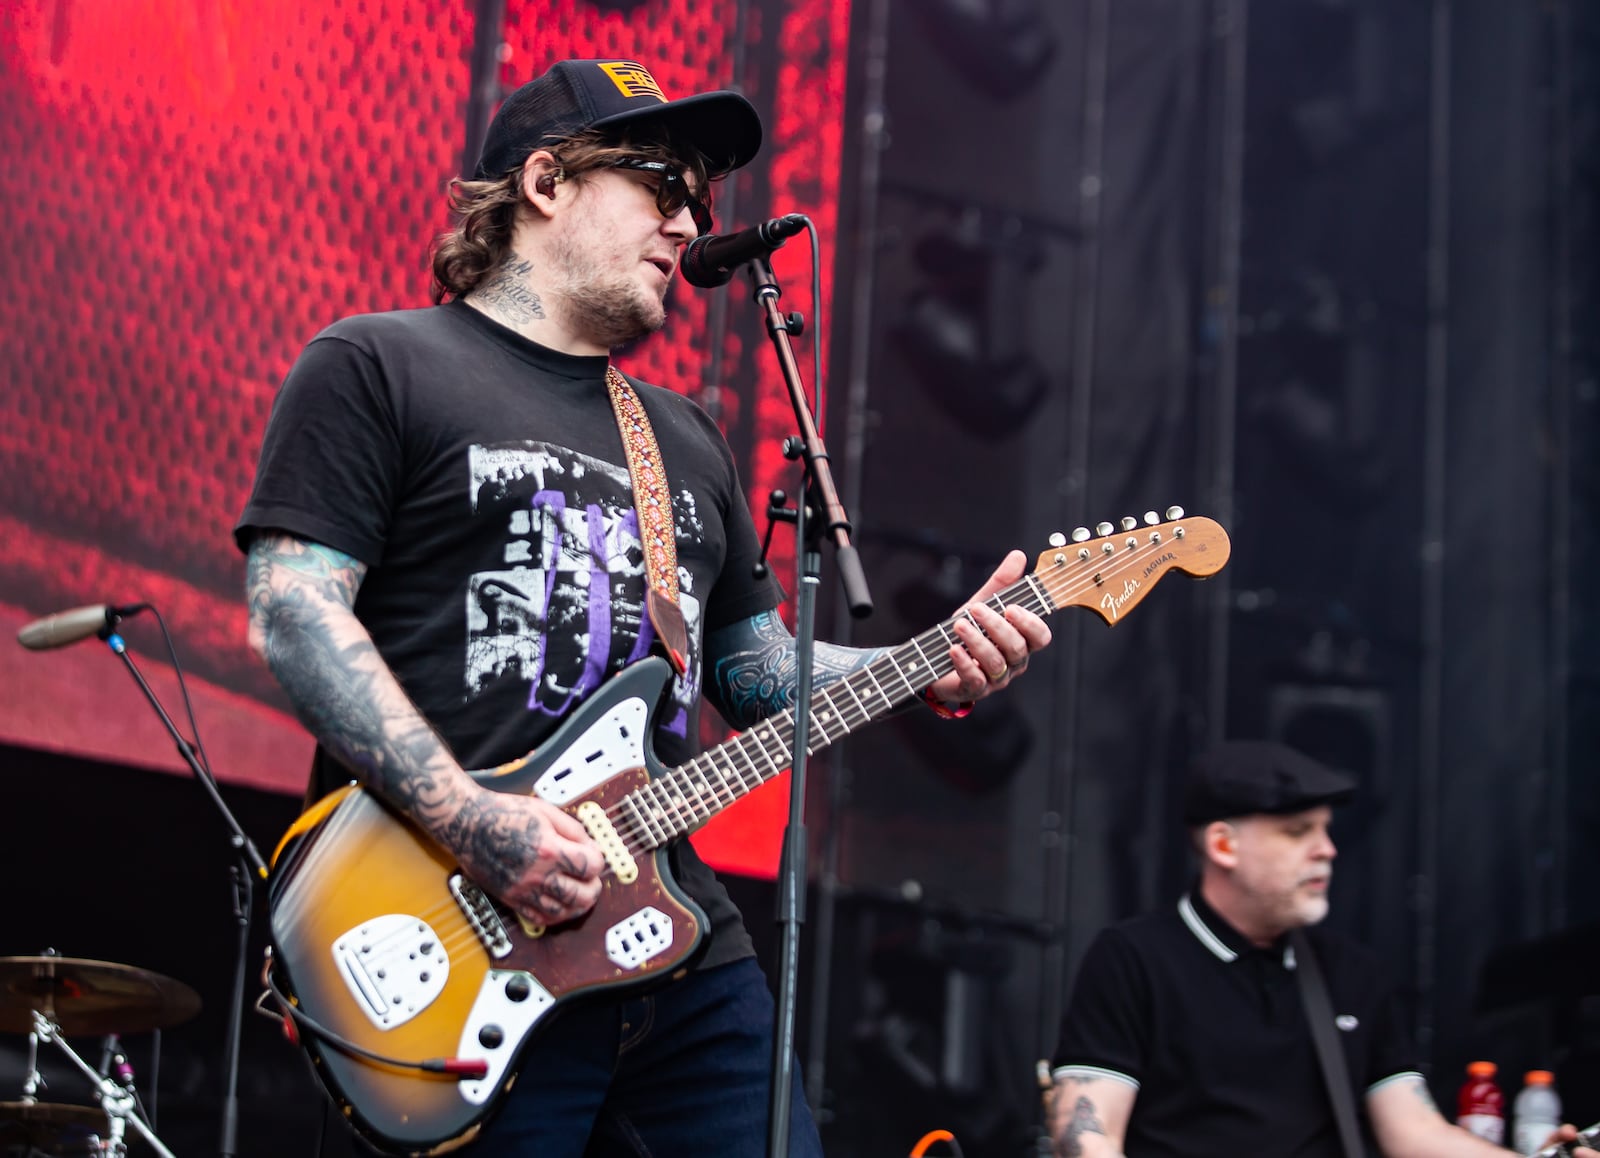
(35, 1080)
(115, 1099)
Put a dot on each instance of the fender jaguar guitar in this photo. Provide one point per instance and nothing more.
(416, 993)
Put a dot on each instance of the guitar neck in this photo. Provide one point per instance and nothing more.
(1108, 577)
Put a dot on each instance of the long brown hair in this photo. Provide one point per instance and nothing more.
(486, 211)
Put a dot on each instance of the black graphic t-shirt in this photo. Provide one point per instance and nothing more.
(482, 480)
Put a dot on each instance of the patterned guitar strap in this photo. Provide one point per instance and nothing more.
(653, 500)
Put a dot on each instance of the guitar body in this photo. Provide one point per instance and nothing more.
(378, 939)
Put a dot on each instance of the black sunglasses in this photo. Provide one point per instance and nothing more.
(672, 192)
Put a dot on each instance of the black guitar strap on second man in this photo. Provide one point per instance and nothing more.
(1325, 1035)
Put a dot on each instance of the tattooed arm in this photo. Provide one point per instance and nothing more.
(1409, 1125)
(535, 857)
(750, 668)
(1089, 1114)
(750, 665)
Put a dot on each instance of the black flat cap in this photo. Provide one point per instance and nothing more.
(1250, 777)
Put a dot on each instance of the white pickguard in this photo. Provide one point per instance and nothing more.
(495, 1010)
(613, 743)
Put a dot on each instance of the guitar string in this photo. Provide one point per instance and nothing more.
(683, 775)
(1029, 594)
(689, 782)
(693, 780)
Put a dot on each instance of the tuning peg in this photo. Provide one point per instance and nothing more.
(1174, 512)
(1151, 518)
(1103, 529)
(1080, 535)
(1057, 539)
(1129, 522)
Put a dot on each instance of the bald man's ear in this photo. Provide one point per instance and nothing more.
(1219, 843)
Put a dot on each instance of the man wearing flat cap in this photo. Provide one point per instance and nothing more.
(468, 530)
(1187, 1033)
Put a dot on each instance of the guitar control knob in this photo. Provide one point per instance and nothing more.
(518, 989)
(491, 1037)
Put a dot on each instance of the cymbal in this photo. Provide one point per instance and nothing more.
(90, 997)
(46, 1128)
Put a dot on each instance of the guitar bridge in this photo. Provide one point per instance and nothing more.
(394, 967)
(480, 913)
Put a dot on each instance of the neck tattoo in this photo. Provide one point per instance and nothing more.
(505, 294)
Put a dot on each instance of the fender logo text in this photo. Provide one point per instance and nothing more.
(1114, 603)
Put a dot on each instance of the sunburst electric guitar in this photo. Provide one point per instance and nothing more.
(416, 993)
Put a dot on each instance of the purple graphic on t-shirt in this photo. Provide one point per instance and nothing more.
(570, 590)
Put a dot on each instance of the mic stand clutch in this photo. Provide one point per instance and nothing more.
(249, 866)
(819, 514)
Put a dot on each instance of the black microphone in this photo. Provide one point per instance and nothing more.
(709, 261)
(69, 626)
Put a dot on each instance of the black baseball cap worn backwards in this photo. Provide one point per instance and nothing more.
(575, 95)
(1256, 777)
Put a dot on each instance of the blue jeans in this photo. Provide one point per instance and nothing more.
(684, 1070)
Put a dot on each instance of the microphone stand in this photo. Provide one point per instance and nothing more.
(249, 866)
(827, 519)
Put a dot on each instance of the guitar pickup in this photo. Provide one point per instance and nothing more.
(480, 913)
(605, 834)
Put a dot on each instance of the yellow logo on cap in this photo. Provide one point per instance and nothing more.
(632, 80)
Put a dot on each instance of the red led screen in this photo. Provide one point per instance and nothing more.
(192, 190)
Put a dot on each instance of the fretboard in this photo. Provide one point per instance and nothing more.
(692, 793)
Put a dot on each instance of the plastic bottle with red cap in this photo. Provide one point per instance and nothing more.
(1481, 1107)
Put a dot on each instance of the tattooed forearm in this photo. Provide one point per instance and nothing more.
(500, 845)
(1420, 1088)
(1083, 1121)
(300, 596)
(505, 294)
(752, 667)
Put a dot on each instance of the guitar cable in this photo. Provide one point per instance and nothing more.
(293, 1019)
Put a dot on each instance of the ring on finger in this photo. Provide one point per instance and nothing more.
(998, 679)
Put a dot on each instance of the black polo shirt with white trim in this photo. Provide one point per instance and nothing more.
(1211, 1032)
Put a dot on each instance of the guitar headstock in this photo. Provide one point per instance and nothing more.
(1111, 573)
